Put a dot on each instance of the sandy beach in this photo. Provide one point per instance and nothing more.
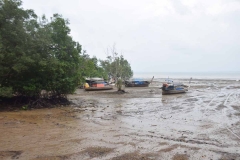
(203, 123)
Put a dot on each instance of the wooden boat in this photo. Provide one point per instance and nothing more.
(96, 84)
(99, 88)
(174, 91)
(137, 83)
(173, 88)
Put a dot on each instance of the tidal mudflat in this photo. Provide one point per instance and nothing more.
(203, 123)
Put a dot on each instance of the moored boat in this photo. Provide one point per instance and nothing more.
(173, 88)
(137, 83)
(98, 88)
(96, 84)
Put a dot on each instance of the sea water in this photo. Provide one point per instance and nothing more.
(188, 75)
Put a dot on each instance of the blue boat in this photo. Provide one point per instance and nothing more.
(137, 82)
(170, 87)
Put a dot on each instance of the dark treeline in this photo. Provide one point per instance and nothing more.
(37, 54)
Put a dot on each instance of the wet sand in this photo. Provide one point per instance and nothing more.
(141, 124)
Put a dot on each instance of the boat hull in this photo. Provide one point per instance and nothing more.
(136, 85)
(98, 88)
(165, 92)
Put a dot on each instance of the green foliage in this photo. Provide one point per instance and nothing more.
(25, 107)
(5, 92)
(92, 68)
(36, 55)
(117, 67)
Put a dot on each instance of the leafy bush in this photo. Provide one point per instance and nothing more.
(36, 55)
(6, 92)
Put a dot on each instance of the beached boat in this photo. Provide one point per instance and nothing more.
(98, 88)
(138, 82)
(96, 84)
(171, 87)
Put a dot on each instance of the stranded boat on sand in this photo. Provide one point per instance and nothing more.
(137, 83)
(98, 88)
(96, 84)
(171, 87)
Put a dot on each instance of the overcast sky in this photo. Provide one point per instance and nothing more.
(155, 35)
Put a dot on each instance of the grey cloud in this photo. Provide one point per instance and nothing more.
(149, 35)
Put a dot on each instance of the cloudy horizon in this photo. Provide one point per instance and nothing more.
(155, 36)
